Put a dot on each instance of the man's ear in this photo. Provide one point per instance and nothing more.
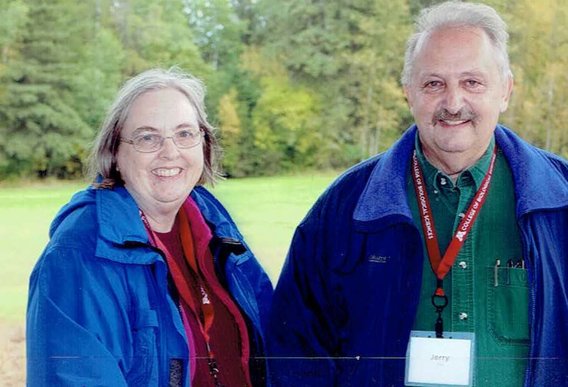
(507, 92)
(408, 96)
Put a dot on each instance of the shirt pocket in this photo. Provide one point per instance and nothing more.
(507, 305)
(144, 368)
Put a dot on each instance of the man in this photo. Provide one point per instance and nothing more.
(445, 259)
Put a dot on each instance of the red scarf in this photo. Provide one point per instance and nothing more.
(202, 299)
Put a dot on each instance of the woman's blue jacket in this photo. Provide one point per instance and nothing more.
(99, 309)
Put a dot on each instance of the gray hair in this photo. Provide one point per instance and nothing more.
(458, 14)
(102, 162)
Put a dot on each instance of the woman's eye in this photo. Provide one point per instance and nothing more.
(185, 134)
(148, 138)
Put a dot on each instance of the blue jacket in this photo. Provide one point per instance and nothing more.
(99, 309)
(348, 293)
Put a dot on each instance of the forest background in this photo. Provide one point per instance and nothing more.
(292, 84)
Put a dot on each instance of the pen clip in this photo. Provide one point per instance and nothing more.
(496, 271)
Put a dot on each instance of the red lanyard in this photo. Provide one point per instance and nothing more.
(205, 306)
(442, 265)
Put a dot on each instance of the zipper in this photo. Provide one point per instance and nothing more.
(160, 274)
(224, 247)
(532, 296)
(165, 309)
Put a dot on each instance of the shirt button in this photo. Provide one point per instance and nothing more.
(443, 181)
(461, 214)
(463, 316)
(463, 264)
(435, 191)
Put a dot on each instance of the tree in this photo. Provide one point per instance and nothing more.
(283, 119)
(539, 53)
(231, 133)
(41, 131)
(156, 33)
(14, 17)
(350, 53)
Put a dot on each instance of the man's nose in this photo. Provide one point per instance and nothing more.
(454, 99)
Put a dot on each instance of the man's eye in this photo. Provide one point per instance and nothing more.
(433, 84)
(471, 83)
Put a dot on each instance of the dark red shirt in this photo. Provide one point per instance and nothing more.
(227, 340)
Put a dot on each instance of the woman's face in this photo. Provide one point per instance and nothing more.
(160, 181)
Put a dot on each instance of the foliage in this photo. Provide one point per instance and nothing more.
(291, 84)
(540, 59)
(41, 129)
(350, 53)
(283, 118)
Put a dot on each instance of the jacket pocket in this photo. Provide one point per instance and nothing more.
(144, 365)
(507, 304)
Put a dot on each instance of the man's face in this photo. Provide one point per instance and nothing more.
(456, 93)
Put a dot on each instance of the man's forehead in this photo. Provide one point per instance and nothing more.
(451, 36)
(456, 51)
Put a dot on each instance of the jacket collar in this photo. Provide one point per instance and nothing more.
(119, 217)
(216, 216)
(120, 225)
(120, 221)
(384, 196)
(535, 171)
(541, 178)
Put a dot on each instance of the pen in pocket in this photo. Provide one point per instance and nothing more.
(496, 271)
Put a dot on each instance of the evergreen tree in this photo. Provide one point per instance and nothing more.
(41, 131)
(351, 53)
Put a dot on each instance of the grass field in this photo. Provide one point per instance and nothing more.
(266, 210)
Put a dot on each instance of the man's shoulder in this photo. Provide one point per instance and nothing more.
(532, 169)
(342, 195)
(521, 153)
(357, 174)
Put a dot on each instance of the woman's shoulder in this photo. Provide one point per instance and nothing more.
(76, 222)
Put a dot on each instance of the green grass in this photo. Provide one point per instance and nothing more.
(266, 210)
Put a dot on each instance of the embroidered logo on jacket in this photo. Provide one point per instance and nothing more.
(378, 258)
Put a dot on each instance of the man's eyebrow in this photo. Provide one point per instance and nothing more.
(473, 73)
(468, 73)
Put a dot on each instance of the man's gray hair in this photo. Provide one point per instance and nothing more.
(102, 163)
(458, 14)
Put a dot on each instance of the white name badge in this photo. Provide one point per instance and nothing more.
(432, 361)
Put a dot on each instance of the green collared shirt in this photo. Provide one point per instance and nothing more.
(491, 302)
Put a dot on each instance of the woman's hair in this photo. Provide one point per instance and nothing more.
(458, 14)
(103, 158)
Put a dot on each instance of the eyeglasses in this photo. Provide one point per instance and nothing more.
(152, 142)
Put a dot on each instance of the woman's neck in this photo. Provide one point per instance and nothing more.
(160, 222)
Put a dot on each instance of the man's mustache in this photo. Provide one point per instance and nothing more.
(461, 115)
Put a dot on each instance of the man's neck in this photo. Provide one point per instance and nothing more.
(452, 164)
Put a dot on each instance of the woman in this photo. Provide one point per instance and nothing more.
(140, 283)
